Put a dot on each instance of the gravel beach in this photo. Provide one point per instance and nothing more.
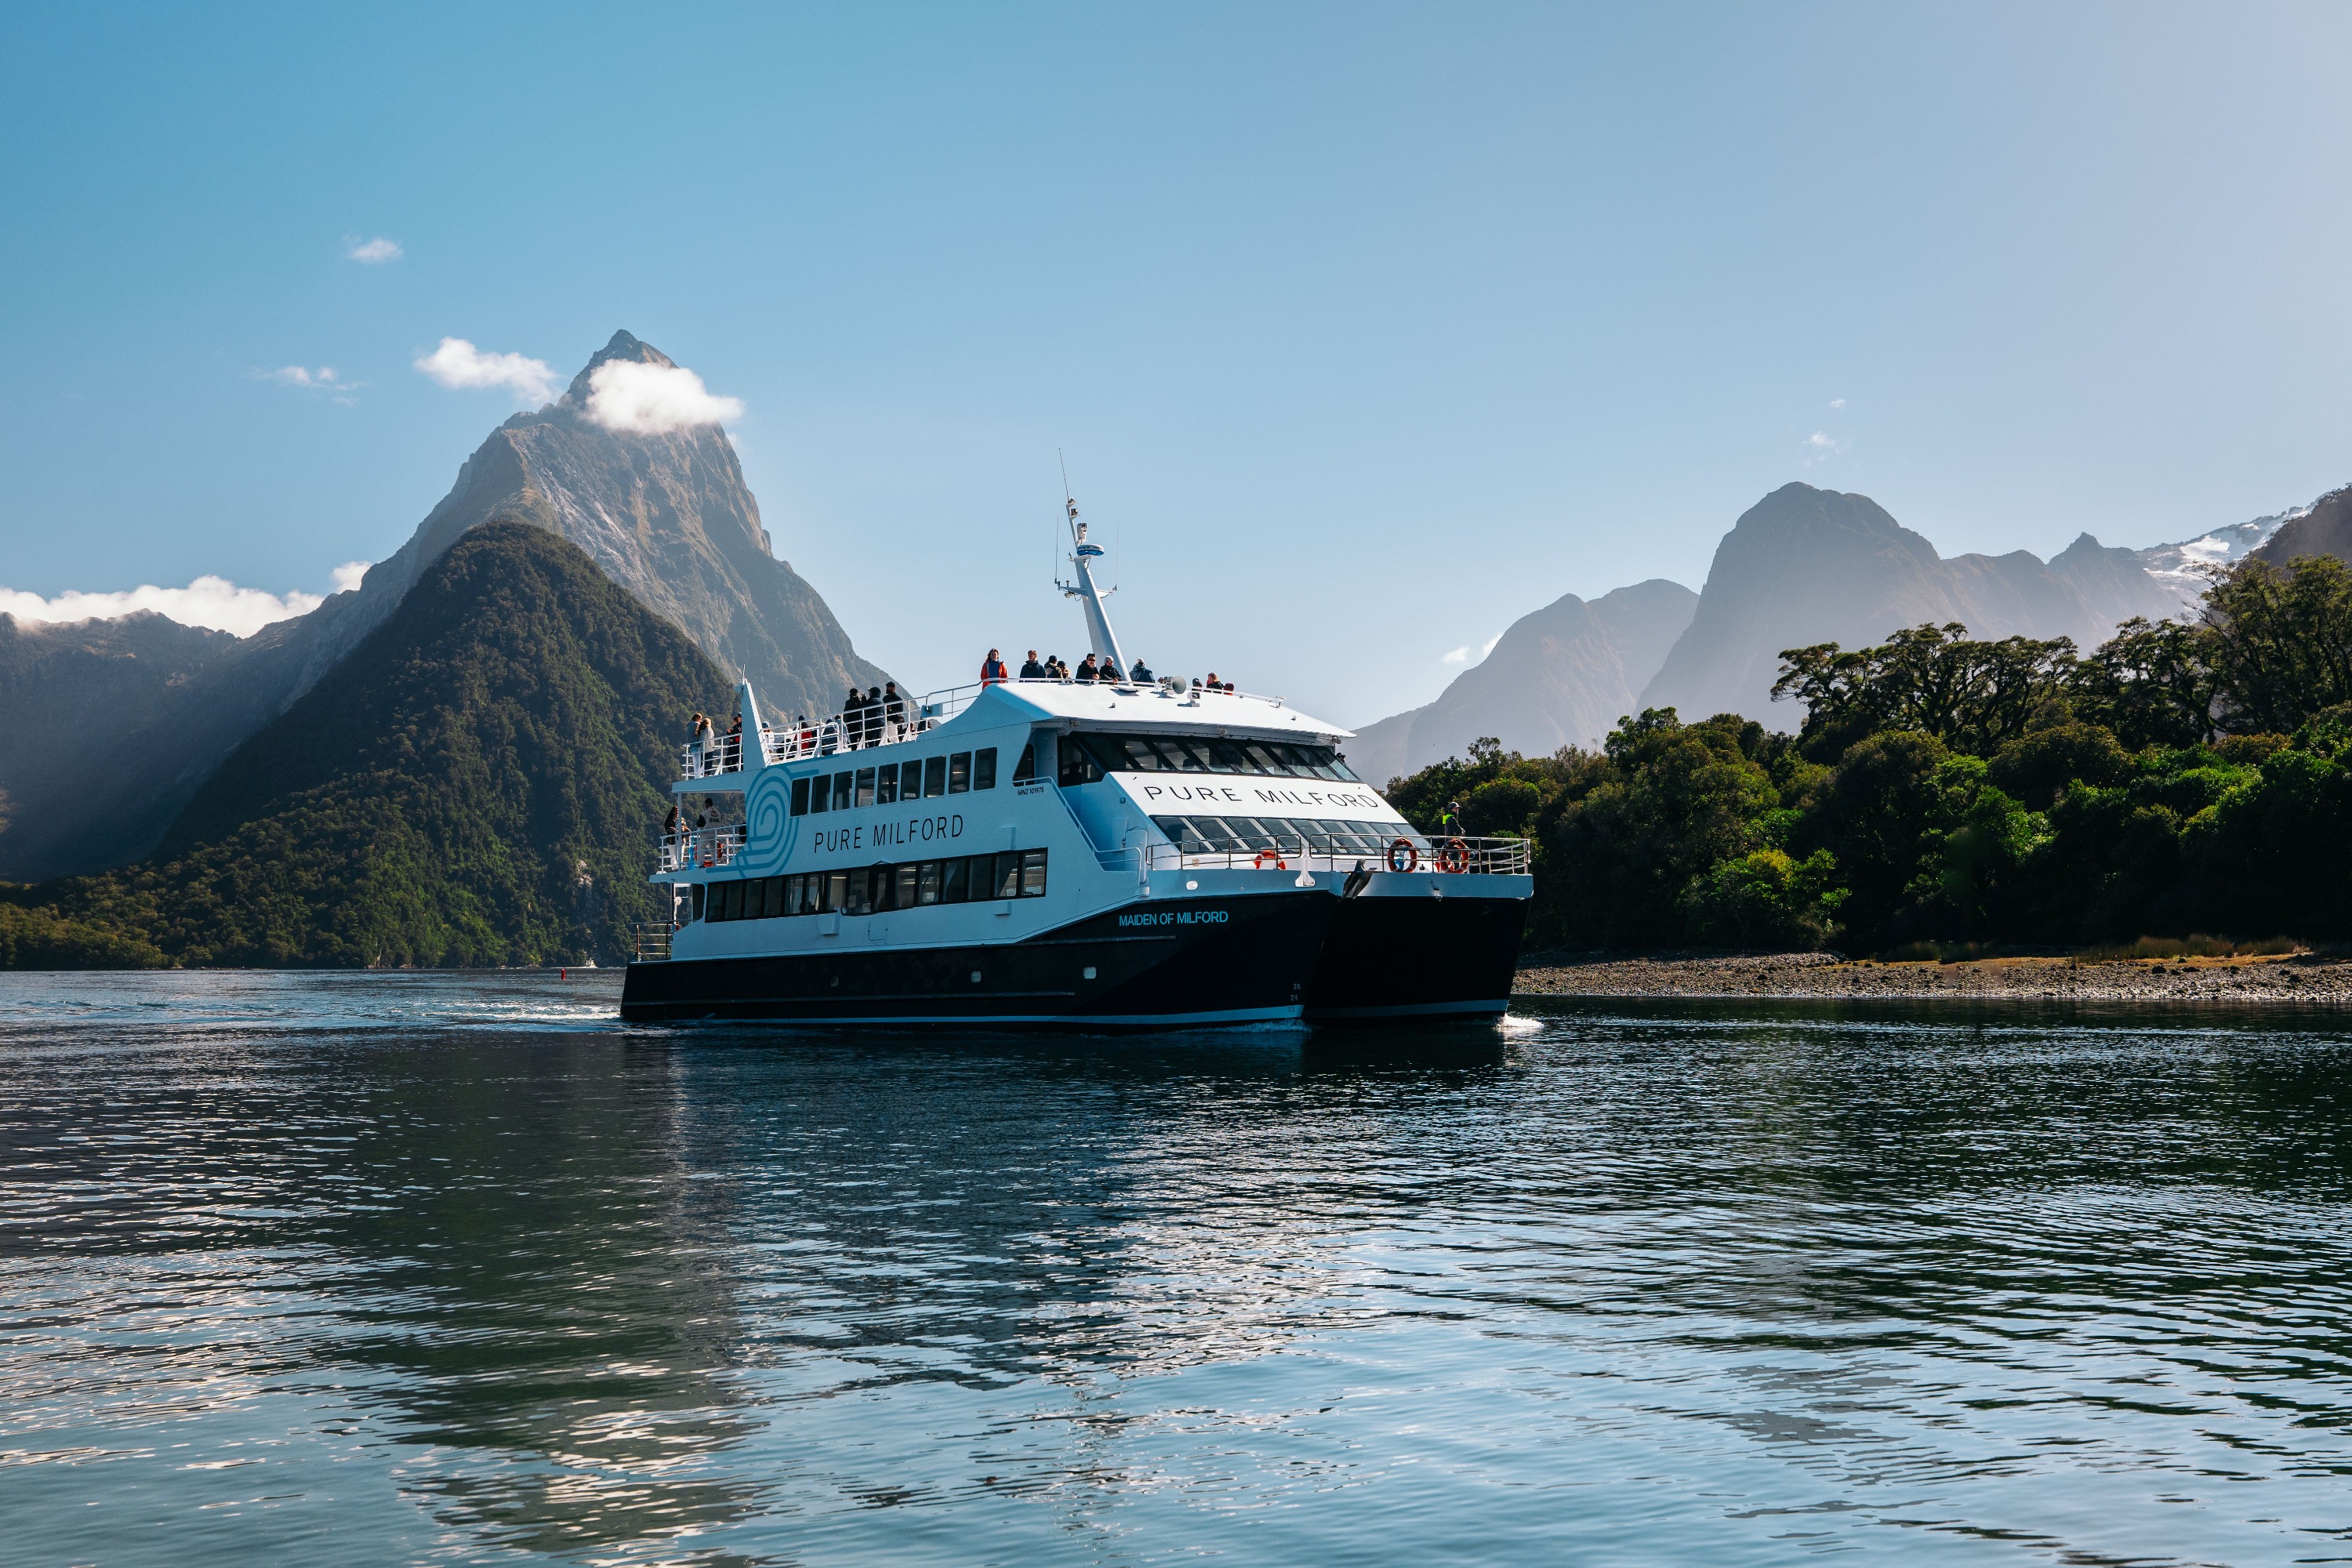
(2294, 977)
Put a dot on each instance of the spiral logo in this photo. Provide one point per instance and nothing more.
(768, 815)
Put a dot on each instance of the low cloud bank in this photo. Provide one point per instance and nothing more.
(213, 601)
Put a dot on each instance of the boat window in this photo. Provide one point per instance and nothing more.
(1228, 757)
(886, 784)
(935, 776)
(903, 896)
(1032, 873)
(841, 792)
(910, 780)
(927, 882)
(1025, 770)
(1182, 834)
(983, 768)
(955, 886)
(697, 903)
(1262, 755)
(865, 787)
(821, 794)
(1214, 832)
(858, 899)
(800, 797)
(1007, 878)
(1142, 756)
(959, 773)
(1079, 765)
(836, 891)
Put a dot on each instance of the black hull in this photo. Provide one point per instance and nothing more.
(1167, 963)
(1417, 958)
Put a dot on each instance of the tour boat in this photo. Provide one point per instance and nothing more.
(1103, 854)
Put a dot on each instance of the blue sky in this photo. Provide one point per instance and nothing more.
(1366, 329)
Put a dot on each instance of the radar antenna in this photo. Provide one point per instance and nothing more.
(1084, 554)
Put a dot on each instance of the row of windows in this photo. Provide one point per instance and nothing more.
(917, 780)
(874, 889)
(1087, 756)
(1247, 835)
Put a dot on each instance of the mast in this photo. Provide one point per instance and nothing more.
(1090, 597)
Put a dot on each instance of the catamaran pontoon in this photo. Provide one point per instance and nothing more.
(1091, 854)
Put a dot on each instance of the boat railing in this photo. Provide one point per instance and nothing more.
(871, 727)
(1327, 852)
(652, 940)
(700, 848)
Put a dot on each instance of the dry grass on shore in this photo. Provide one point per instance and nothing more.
(2115, 975)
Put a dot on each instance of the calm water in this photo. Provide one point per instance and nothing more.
(378, 1269)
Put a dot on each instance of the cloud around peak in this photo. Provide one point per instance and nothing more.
(637, 398)
(459, 363)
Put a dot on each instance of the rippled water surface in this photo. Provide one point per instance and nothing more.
(385, 1270)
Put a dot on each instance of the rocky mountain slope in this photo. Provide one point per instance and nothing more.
(1560, 677)
(480, 782)
(1805, 565)
(2323, 527)
(667, 516)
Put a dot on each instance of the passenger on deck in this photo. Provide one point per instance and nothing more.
(1030, 670)
(873, 716)
(1055, 669)
(894, 709)
(1141, 674)
(1087, 668)
(1216, 685)
(853, 717)
(669, 822)
(992, 670)
(702, 744)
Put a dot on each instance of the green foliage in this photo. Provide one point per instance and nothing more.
(480, 782)
(1946, 796)
(38, 939)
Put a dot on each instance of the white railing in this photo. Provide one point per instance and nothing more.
(652, 940)
(1324, 852)
(701, 848)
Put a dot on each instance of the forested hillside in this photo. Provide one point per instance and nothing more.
(2178, 779)
(480, 782)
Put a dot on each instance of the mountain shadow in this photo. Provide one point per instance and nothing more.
(481, 781)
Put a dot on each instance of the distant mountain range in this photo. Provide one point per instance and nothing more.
(107, 729)
(1800, 566)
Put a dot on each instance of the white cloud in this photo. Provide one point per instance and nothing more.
(1821, 446)
(209, 601)
(1837, 403)
(653, 399)
(459, 363)
(1463, 655)
(374, 252)
(323, 379)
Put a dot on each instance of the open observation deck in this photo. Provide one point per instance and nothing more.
(872, 727)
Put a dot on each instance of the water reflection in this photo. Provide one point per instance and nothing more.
(1755, 1281)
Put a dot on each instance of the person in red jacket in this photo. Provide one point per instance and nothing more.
(992, 670)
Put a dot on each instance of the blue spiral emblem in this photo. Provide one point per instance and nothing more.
(769, 823)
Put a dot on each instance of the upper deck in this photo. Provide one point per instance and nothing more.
(1087, 704)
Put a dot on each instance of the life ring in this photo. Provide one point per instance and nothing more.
(1266, 855)
(1403, 856)
(1455, 855)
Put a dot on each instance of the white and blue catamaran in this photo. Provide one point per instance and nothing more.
(1093, 854)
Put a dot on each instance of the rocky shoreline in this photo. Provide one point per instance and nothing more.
(2293, 977)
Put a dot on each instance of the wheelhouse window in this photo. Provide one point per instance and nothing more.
(1087, 755)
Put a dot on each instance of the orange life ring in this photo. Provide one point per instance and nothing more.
(1453, 856)
(1403, 856)
(1266, 855)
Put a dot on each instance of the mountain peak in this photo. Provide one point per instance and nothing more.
(625, 344)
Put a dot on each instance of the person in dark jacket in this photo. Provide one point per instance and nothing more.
(1141, 674)
(1087, 667)
(1030, 670)
(894, 708)
(873, 716)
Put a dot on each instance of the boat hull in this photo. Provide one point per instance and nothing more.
(1417, 958)
(1160, 965)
